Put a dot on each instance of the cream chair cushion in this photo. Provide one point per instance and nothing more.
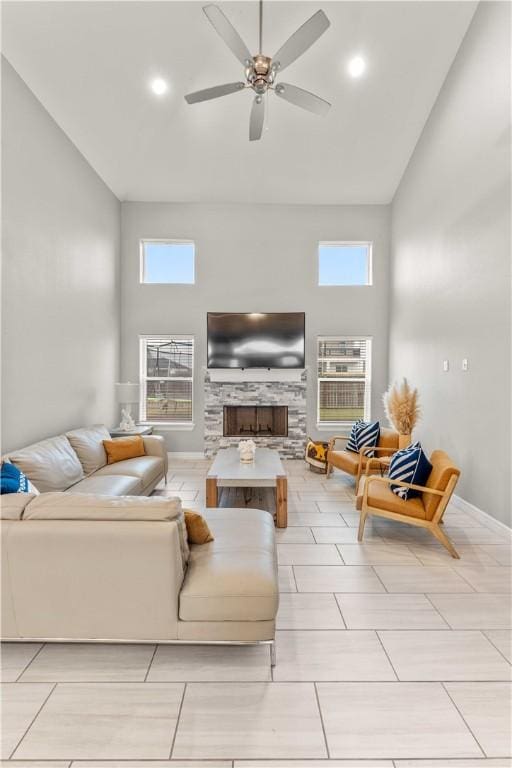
(111, 485)
(52, 465)
(147, 468)
(87, 443)
(233, 578)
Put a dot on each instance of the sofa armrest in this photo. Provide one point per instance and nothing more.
(154, 445)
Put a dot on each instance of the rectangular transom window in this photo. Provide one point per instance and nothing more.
(344, 264)
(167, 261)
(167, 379)
(344, 370)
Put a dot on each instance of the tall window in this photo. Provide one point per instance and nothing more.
(166, 378)
(167, 261)
(344, 368)
(344, 264)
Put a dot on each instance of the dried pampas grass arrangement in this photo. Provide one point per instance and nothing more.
(402, 407)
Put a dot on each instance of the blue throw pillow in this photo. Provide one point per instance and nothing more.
(409, 465)
(12, 479)
(364, 433)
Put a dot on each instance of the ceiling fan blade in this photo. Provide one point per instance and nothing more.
(226, 30)
(213, 93)
(257, 118)
(302, 98)
(301, 40)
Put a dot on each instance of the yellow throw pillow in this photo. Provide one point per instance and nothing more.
(121, 448)
(197, 528)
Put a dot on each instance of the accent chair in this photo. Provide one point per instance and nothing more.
(355, 463)
(426, 510)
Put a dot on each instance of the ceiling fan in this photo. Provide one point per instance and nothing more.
(261, 71)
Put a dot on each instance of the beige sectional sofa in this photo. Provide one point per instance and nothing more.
(110, 565)
(76, 462)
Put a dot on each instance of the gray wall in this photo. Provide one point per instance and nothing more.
(450, 295)
(60, 277)
(253, 259)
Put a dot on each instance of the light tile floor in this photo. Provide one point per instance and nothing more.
(390, 655)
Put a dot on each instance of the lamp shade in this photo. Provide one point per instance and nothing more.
(127, 392)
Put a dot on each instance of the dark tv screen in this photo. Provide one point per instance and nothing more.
(255, 340)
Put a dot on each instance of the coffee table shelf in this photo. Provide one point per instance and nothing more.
(266, 471)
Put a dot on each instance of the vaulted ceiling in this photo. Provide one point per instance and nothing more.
(90, 64)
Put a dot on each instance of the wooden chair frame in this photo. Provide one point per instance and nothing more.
(360, 466)
(430, 525)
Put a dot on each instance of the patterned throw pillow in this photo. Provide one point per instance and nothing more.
(364, 433)
(316, 455)
(12, 479)
(411, 466)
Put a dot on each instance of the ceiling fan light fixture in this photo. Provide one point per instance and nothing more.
(261, 70)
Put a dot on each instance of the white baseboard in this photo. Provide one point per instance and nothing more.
(478, 514)
(185, 454)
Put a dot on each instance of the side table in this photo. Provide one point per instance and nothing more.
(139, 430)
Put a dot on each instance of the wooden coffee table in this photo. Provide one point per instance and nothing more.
(266, 471)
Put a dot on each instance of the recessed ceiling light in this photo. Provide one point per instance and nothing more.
(159, 86)
(357, 66)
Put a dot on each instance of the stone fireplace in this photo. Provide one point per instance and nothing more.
(272, 413)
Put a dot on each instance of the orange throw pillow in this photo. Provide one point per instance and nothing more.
(121, 448)
(197, 528)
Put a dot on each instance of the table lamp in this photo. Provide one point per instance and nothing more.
(127, 393)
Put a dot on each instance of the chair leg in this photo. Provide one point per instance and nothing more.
(329, 470)
(273, 658)
(445, 541)
(362, 521)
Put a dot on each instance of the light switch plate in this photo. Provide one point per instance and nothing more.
(465, 364)
(446, 365)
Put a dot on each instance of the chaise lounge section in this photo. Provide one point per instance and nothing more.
(119, 569)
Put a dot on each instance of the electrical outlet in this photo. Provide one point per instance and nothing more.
(465, 364)
(446, 365)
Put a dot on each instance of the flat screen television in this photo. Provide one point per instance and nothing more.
(256, 340)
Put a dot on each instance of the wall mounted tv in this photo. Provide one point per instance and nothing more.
(256, 340)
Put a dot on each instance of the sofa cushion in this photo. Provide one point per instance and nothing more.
(12, 505)
(147, 468)
(236, 528)
(88, 446)
(52, 464)
(109, 485)
(64, 506)
(234, 577)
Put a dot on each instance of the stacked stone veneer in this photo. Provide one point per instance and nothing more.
(292, 394)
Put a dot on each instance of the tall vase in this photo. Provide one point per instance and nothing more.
(403, 441)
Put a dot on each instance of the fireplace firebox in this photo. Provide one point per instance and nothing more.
(255, 421)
